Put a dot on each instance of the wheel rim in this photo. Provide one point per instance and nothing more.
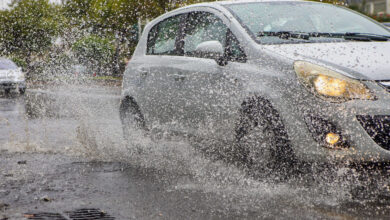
(259, 143)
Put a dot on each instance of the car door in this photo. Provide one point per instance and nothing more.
(155, 72)
(213, 92)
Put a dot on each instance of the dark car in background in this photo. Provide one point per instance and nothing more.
(11, 76)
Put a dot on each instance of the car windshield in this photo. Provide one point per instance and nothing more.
(7, 64)
(300, 17)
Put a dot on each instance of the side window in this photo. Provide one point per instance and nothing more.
(162, 37)
(201, 27)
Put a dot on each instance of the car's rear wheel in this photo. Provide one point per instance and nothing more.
(131, 118)
(262, 144)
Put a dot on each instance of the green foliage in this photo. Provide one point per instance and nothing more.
(28, 27)
(356, 8)
(102, 16)
(117, 16)
(19, 61)
(95, 52)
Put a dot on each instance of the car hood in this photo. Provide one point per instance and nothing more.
(361, 60)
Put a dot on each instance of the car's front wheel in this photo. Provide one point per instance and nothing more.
(262, 143)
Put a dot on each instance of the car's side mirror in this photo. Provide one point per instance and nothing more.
(211, 49)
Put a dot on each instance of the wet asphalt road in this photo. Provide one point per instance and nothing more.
(61, 150)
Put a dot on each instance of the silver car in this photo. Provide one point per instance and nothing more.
(269, 81)
(11, 76)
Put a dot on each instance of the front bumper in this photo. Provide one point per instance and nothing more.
(12, 85)
(365, 142)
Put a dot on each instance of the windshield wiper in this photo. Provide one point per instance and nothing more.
(308, 35)
(352, 36)
(284, 34)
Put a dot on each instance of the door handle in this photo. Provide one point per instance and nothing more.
(143, 75)
(179, 77)
(234, 81)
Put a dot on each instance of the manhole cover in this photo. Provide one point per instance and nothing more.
(79, 214)
(88, 214)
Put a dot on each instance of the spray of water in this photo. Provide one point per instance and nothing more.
(101, 137)
(83, 121)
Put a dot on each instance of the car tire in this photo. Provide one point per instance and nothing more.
(22, 91)
(262, 145)
(131, 118)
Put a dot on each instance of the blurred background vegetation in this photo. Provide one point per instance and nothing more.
(47, 37)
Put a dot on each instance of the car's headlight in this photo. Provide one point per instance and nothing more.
(329, 84)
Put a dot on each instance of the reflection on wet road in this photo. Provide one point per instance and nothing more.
(18, 130)
(61, 149)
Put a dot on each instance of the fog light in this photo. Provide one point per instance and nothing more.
(332, 138)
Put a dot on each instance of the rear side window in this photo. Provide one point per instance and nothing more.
(163, 36)
(7, 64)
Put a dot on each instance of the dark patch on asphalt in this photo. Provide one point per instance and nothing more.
(44, 216)
(79, 214)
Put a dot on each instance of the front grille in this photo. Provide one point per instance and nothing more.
(378, 127)
(385, 84)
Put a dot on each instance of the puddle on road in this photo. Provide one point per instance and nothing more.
(87, 124)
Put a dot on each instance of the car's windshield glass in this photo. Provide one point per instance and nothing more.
(305, 17)
(7, 64)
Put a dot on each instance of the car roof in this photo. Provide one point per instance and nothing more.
(220, 3)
